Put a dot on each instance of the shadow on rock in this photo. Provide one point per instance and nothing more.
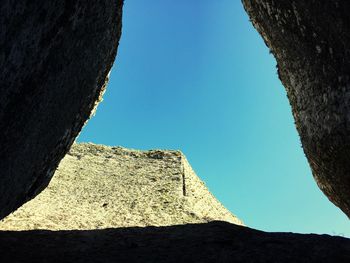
(211, 242)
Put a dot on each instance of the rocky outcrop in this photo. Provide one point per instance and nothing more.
(206, 242)
(55, 57)
(98, 187)
(111, 204)
(310, 41)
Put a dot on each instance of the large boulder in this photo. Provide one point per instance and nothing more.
(55, 57)
(98, 187)
(310, 41)
(111, 204)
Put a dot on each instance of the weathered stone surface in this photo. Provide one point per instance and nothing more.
(310, 41)
(99, 194)
(208, 242)
(98, 187)
(54, 58)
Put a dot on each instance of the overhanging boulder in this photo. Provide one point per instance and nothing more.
(310, 41)
(55, 57)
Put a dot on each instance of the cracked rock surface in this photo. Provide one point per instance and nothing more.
(55, 57)
(97, 187)
(310, 41)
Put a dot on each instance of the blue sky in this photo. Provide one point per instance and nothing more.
(194, 75)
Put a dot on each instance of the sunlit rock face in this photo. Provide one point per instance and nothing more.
(112, 204)
(98, 187)
(310, 41)
(55, 57)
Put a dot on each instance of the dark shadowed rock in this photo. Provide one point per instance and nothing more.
(55, 57)
(310, 41)
(210, 242)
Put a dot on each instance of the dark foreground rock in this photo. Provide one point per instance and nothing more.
(310, 41)
(210, 242)
(55, 57)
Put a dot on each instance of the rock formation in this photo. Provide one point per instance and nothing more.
(55, 57)
(205, 242)
(97, 187)
(310, 41)
(103, 205)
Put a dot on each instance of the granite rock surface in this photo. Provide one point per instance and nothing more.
(111, 204)
(98, 187)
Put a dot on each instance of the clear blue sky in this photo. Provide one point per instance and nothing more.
(194, 75)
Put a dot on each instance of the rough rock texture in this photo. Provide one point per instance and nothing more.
(97, 190)
(210, 242)
(55, 57)
(98, 187)
(310, 41)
